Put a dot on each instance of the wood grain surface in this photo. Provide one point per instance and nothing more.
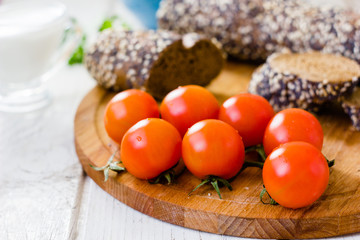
(240, 213)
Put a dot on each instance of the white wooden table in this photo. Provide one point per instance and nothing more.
(44, 193)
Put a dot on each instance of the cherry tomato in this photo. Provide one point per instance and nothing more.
(292, 124)
(249, 114)
(127, 108)
(187, 105)
(213, 147)
(295, 174)
(150, 147)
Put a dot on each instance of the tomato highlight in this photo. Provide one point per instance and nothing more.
(295, 174)
(249, 114)
(292, 124)
(127, 108)
(212, 149)
(187, 105)
(150, 147)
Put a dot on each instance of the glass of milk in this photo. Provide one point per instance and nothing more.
(31, 36)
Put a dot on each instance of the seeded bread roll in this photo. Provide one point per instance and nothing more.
(273, 87)
(304, 80)
(254, 29)
(154, 61)
(351, 106)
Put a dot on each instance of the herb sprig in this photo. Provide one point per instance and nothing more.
(78, 55)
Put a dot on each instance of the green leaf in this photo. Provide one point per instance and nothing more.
(78, 55)
(125, 26)
(108, 22)
(68, 31)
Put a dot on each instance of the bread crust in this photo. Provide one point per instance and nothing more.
(284, 89)
(351, 106)
(121, 60)
(254, 29)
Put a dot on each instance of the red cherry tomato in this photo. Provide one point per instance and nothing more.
(292, 124)
(127, 108)
(212, 147)
(249, 114)
(295, 174)
(150, 147)
(187, 105)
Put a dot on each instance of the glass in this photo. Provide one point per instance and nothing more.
(31, 45)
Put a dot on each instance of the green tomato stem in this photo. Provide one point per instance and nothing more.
(271, 202)
(330, 162)
(198, 186)
(259, 149)
(216, 186)
(253, 164)
(167, 176)
(110, 165)
(214, 181)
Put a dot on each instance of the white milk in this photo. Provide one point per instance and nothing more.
(30, 34)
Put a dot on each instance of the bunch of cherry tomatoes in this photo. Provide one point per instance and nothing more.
(212, 140)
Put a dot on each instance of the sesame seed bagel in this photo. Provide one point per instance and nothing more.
(351, 106)
(304, 80)
(254, 29)
(154, 61)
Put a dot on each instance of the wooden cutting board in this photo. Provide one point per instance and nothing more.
(240, 213)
